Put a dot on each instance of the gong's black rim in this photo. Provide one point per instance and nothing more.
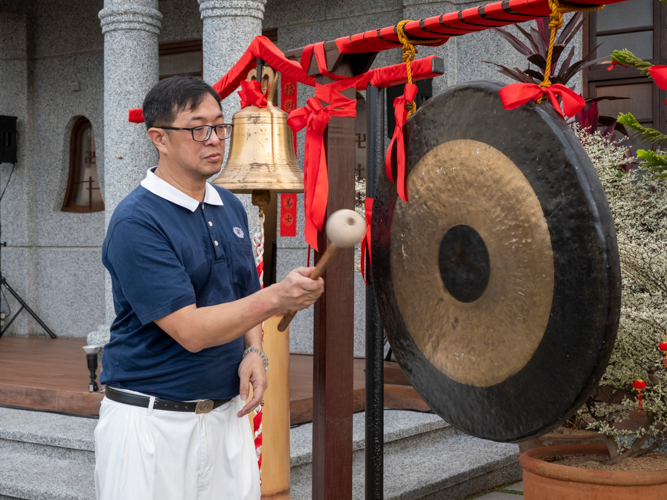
(581, 330)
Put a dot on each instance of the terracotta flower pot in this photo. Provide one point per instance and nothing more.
(556, 439)
(548, 481)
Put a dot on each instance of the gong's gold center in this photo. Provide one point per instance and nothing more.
(472, 263)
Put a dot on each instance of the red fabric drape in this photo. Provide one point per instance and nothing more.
(366, 241)
(397, 141)
(320, 57)
(260, 47)
(380, 77)
(251, 94)
(315, 118)
(518, 94)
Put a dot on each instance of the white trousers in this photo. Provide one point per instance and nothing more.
(167, 455)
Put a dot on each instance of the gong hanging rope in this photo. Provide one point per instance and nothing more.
(409, 52)
(557, 11)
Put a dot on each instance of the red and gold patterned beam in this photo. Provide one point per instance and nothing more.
(455, 24)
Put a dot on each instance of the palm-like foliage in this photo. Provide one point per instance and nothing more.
(536, 52)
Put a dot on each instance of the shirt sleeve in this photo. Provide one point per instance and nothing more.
(151, 277)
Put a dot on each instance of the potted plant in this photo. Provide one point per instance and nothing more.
(629, 409)
(628, 412)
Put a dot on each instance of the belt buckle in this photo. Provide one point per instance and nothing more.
(204, 406)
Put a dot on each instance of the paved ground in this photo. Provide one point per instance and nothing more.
(510, 492)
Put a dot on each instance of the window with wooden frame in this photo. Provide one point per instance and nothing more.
(636, 25)
(181, 59)
(83, 192)
(186, 58)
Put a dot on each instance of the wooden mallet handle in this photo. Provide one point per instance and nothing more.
(315, 275)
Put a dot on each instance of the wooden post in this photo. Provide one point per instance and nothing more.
(276, 418)
(334, 331)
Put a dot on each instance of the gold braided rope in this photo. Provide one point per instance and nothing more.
(557, 11)
(409, 52)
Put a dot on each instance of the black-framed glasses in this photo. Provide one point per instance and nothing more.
(203, 132)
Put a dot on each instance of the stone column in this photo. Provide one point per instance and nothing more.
(229, 27)
(131, 29)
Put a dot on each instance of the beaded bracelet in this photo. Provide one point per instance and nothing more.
(261, 353)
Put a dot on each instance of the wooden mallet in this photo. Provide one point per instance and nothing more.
(345, 228)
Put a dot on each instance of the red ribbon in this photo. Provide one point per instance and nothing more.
(401, 114)
(315, 118)
(136, 116)
(518, 94)
(251, 94)
(320, 58)
(613, 65)
(366, 241)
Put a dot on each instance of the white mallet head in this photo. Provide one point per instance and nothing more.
(345, 228)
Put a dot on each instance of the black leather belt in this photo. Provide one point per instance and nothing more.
(204, 406)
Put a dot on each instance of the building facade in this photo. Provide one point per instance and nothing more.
(70, 70)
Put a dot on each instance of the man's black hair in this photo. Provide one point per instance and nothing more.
(173, 95)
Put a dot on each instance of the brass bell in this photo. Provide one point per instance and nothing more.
(261, 154)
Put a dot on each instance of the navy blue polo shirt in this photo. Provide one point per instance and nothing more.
(165, 250)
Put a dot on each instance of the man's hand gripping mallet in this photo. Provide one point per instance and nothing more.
(345, 228)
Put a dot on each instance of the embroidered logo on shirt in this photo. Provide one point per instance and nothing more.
(238, 232)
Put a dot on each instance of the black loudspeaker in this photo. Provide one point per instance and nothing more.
(8, 139)
(424, 93)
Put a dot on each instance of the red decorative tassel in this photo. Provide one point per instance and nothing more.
(640, 385)
(663, 347)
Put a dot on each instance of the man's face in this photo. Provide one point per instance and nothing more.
(202, 159)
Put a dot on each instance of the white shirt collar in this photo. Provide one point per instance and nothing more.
(165, 190)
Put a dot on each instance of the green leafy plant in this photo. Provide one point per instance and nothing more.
(644, 134)
(626, 58)
(654, 163)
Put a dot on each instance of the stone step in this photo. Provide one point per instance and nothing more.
(441, 464)
(50, 456)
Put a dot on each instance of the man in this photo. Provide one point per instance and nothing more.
(186, 341)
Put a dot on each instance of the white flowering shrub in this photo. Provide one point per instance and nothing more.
(638, 204)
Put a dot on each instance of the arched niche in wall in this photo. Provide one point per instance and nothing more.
(83, 193)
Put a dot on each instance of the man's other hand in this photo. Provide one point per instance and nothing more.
(297, 291)
(251, 371)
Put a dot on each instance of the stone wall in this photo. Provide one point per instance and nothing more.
(52, 258)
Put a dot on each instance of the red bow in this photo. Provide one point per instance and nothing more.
(315, 118)
(659, 74)
(401, 114)
(518, 94)
(366, 241)
(251, 94)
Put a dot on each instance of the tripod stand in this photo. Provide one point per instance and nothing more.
(3, 282)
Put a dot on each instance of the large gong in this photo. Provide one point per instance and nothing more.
(499, 282)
